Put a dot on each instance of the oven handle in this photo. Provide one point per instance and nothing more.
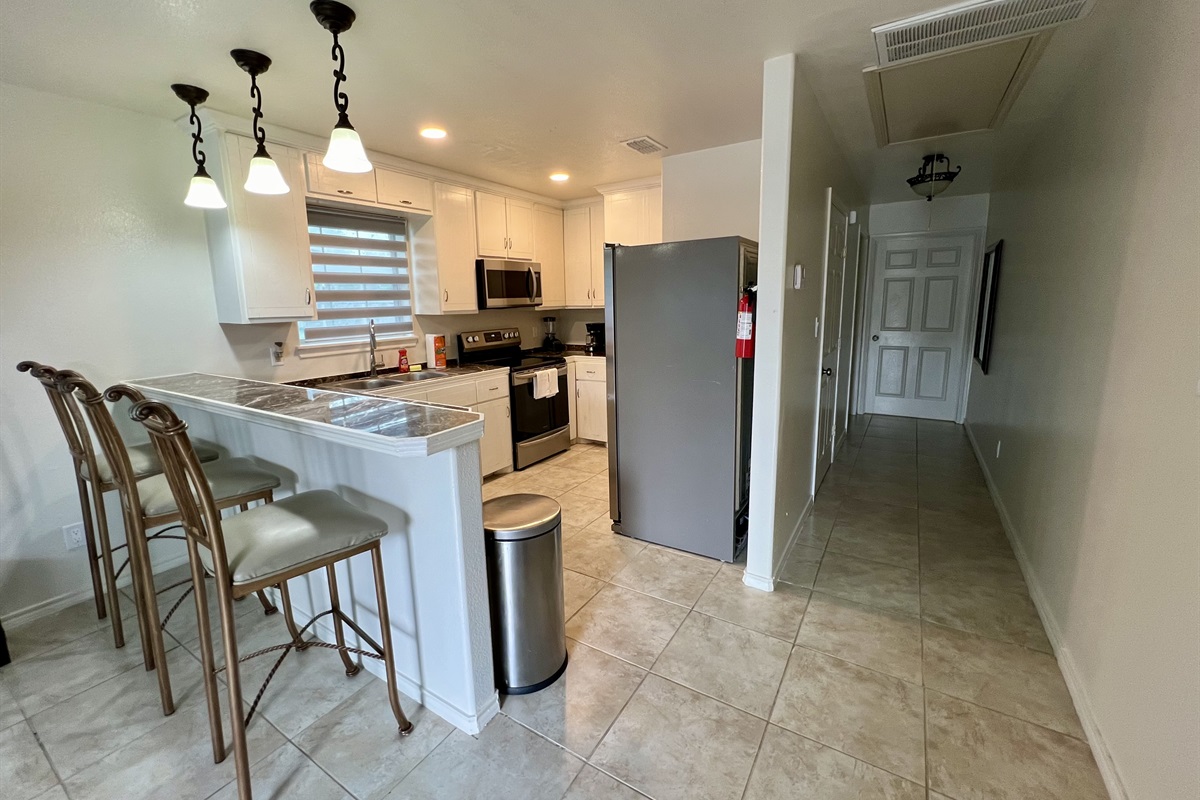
(522, 378)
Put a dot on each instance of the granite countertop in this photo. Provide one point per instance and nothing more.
(356, 415)
(455, 371)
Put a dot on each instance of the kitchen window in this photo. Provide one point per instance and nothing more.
(360, 273)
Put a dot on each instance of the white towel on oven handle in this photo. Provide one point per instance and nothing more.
(545, 383)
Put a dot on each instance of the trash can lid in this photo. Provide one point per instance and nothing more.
(513, 517)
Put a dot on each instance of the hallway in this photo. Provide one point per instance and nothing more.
(900, 651)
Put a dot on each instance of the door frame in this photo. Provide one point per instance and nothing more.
(832, 201)
(978, 235)
(854, 371)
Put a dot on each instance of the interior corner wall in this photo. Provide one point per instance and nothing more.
(1092, 389)
(714, 192)
(800, 162)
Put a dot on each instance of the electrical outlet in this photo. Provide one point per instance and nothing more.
(73, 536)
(276, 351)
(997, 448)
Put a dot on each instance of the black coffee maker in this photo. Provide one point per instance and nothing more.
(593, 345)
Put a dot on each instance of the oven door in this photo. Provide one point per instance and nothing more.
(508, 284)
(533, 417)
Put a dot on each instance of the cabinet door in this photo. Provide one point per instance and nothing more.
(577, 257)
(654, 215)
(593, 410)
(624, 218)
(548, 251)
(597, 256)
(401, 190)
(271, 232)
(495, 449)
(345, 185)
(491, 225)
(454, 223)
(571, 400)
(519, 215)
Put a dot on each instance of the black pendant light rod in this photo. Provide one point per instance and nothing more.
(336, 18)
(255, 64)
(193, 96)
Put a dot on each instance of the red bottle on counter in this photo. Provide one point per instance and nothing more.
(403, 360)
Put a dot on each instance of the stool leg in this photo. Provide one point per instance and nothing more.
(233, 679)
(89, 533)
(335, 603)
(288, 618)
(206, 654)
(385, 630)
(110, 577)
(143, 583)
(269, 608)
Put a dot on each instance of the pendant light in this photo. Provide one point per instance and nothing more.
(345, 153)
(263, 176)
(928, 181)
(203, 191)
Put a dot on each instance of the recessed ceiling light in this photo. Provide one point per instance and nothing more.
(559, 176)
(433, 133)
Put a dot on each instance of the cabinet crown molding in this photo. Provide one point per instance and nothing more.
(650, 182)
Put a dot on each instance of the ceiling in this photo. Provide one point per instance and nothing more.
(524, 87)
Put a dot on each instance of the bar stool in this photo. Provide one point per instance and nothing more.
(93, 478)
(148, 502)
(265, 546)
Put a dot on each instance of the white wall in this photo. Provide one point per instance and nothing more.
(712, 192)
(800, 162)
(1093, 392)
(920, 216)
(104, 270)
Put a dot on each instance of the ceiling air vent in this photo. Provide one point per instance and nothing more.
(971, 24)
(644, 145)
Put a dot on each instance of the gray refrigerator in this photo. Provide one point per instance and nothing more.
(679, 401)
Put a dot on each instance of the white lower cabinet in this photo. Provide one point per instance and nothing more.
(571, 405)
(495, 449)
(591, 403)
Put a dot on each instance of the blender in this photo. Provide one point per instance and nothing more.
(551, 343)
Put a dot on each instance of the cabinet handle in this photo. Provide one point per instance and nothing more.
(308, 297)
(508, 412)
(446, 296)
(406, 202)
(344, 191)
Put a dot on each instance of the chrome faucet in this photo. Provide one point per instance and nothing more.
(375, 365)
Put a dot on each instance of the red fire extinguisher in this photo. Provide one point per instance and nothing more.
(745, 324)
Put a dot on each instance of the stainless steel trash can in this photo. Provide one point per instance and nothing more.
(525, 583)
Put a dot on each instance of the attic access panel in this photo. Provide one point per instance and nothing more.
(960, 92)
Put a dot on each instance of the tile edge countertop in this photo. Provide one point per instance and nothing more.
(388, 425)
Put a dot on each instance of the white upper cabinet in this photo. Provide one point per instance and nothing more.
(261, 262)
(633, 212)
(444, 254)
(583, 256)
(504, 226)
(548, 251)
(397, 189)
(358, 186)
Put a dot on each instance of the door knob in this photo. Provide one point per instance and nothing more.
(875, 338)
(827, 371)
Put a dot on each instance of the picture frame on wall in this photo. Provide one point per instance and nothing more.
(985, 317)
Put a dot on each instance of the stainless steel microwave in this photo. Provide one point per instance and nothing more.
(508, 284)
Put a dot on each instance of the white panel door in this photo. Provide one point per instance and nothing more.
(519, 217)
(495, 449)
(592, 405)
(831, 330)
(577, 258)
(491, 224)
(916, 348)
(548, 251)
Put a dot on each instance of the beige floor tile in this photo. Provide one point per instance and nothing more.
(182, 624)
(792, 766)
(872, 443)
(61, 627)
(600, 554)
(814, 531)
(178, 752)
(24, 771)
(978, 753)
(577, 590)
(1003, 614)
(359, 745)
(577, 709)
(870, 583)
(907, 461)
(10, 711)
(596, 486)
(800, 565)
(592, 784)
(981, 564)
(866, 636)
(57, 793)
(897, 425)
(580, 510)
(505, 760)
(1004, 677)
(868, 468)
(949, 447)
(288, 773)
(591, 460)
(887, 547)
(627, 624)
(971, 503)
(776, 613)
(884, 490)
(668, 575)
(872, 515)
(942, 464)
(722, 660)
(676, 744)
(955, 527)
(874, 717)
(552, 481)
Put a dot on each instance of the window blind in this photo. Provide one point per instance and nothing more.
(360, 273)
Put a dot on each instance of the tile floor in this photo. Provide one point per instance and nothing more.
(899, 658)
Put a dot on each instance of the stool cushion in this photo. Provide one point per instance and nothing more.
(144, 460)
(276, 537)
(227, 477)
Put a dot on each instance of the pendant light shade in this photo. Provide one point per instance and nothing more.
(929, 181)
(264, 176)
(345, 153)
(203, 191)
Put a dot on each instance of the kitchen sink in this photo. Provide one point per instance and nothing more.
(371, 384)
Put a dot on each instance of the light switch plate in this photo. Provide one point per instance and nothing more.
(798, 276)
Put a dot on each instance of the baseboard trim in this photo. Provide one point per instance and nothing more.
(765, 583)
(1066, 661)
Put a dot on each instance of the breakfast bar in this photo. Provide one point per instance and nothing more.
(415, 465)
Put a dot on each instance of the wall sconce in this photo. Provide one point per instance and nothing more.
(345, 153)
(928, 181)
(203, 191)
(263, 176)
